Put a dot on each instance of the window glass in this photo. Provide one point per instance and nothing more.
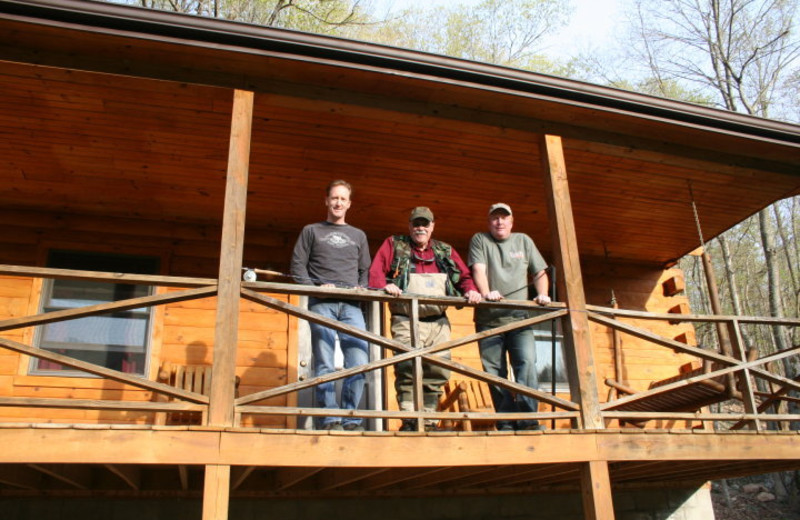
(546, 350)
(118, 340)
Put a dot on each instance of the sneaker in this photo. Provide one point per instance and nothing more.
(353, 427)
(505, 427)
(332, 426)
(409, 425)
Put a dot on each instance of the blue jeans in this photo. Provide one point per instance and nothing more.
(520, 346)
(323, 344)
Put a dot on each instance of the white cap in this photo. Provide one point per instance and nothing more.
(500, 206)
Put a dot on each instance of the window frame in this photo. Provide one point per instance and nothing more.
(543, 336)
(153, 263)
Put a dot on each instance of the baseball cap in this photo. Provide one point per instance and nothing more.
(421, 212)
(500, 205)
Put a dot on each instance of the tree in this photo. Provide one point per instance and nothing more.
(502, 32)
(744, 53)
(742, 50)
(319, 16)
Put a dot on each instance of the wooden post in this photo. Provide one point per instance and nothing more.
(744, 386)
(416, 370)
(716, 307)
(216, 492)
(230, 263)
(375, 377)
(596, 491)
(580, 358)
(595, 480)
(616, 342)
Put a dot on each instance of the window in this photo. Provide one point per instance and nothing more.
(543, 333)
(118, 340)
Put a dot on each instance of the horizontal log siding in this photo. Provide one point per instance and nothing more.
(635, 288)
(182, 333)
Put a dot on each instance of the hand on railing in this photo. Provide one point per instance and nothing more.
(393, 290)
(473, 296)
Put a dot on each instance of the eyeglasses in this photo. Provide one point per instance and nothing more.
(418, 258)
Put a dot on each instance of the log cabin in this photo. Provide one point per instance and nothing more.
(150, 158)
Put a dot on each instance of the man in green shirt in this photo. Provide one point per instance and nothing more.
(503, 265)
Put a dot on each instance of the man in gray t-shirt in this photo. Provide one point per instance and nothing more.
(335, 254)
(503, 265)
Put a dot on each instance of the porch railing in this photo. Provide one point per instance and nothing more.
(630, 409)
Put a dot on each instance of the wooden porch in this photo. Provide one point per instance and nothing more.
(145, 461)
(148, 460)
(207, 145)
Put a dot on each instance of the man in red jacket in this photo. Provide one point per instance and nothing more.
(417, 264)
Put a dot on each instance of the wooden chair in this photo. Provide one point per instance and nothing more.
(467, 395)
(192, 378)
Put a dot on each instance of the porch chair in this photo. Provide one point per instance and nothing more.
(467, 395)
(192, 378)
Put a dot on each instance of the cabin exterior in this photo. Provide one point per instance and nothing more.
(150, 159)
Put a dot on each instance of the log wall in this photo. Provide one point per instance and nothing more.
(182, 332)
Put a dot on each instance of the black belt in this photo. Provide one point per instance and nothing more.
(426, 319)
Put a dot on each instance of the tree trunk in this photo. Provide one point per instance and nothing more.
(789, 248)
(730, 277)
(773, 284)
(773, 279)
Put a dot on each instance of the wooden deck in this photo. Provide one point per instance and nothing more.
(96, 458)
(169, 461)
(202, 128)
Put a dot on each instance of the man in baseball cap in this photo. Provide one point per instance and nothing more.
(421, 212)
(504, 264)
(417, 264)
(500, 206)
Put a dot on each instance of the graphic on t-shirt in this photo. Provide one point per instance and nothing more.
(338, 240)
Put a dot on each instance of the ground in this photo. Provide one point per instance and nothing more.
(747, 506)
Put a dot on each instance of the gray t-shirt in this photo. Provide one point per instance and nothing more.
(331, 253)
(510, 264)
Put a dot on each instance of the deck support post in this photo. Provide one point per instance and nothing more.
(230, 262)
(596, 491)
(216, 492)
(579, 358)
(595, 480)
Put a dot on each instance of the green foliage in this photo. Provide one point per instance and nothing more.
(317, 16)
(670, 89)
(747, 270)
(501, 32)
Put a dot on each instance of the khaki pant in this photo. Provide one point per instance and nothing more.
(433, 376)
